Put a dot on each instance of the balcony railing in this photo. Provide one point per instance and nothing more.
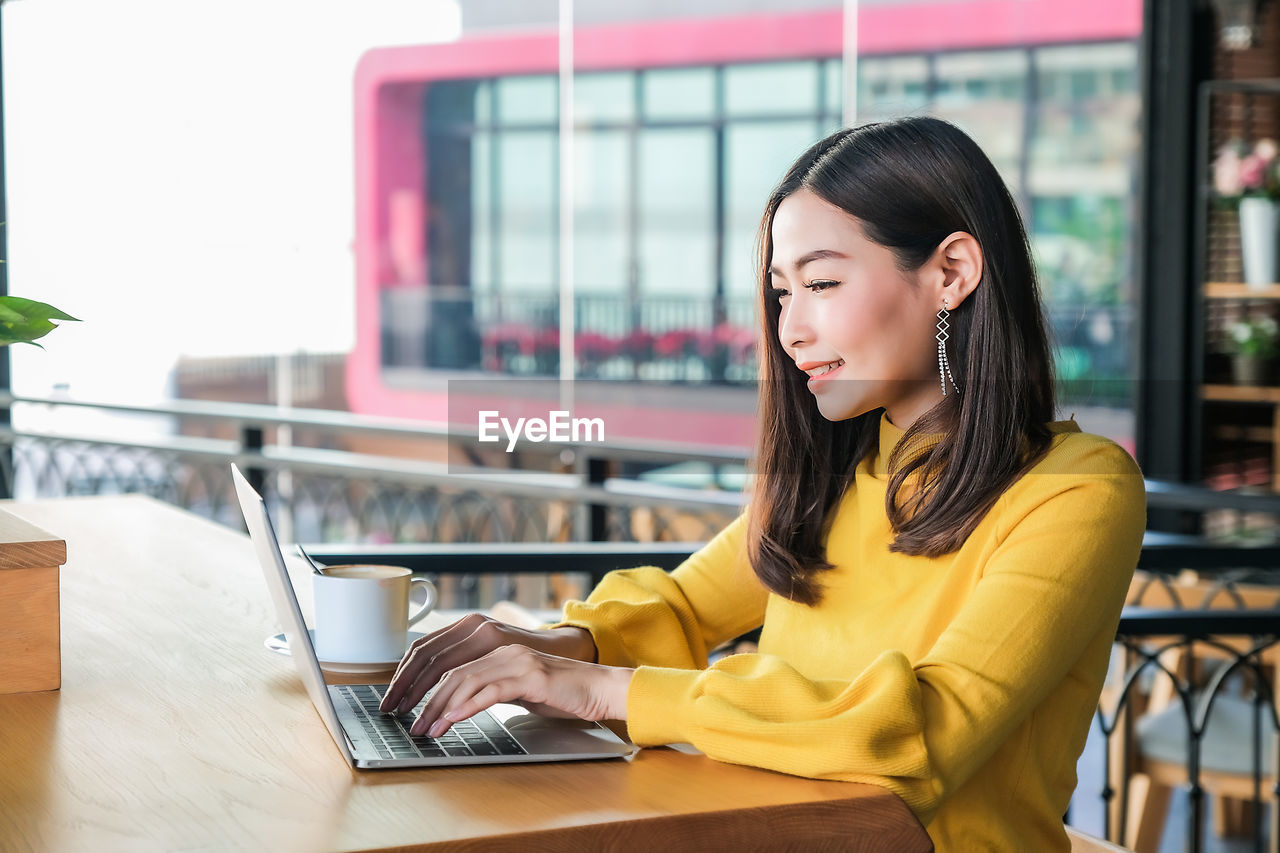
(323, 493)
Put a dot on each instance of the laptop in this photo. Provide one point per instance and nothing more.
(371, 740)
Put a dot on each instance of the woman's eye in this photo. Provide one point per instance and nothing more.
(820, 284)
(779, 292)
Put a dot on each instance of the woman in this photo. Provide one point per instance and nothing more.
(937, 568)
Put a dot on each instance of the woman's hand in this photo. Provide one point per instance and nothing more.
(541, 682)
(469, 639)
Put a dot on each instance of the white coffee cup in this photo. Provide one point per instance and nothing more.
(362, 612)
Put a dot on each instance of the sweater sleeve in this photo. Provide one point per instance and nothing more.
(1055, 579)
(647, 616)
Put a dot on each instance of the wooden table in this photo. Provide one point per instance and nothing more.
(176, 730)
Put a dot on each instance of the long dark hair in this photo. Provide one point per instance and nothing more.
(910, 183)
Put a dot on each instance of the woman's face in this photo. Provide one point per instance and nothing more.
(862, 329)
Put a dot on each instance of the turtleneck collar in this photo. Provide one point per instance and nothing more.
(890, 435)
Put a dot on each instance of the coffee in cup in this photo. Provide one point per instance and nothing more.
(362, 612)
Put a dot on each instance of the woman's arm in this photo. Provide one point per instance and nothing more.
(1050, 593)
(650, 617)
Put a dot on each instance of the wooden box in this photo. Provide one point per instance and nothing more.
(30, 645)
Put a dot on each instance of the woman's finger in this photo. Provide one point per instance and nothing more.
(414, 653)
(419, 657)
(520, 674)
(509, 663)
(466, 678)
(475, 645)
(470, 638)
(487, 696)
(411, 664)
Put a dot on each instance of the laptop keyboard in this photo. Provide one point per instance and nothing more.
(480, 735)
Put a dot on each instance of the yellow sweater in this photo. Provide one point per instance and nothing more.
(965, 683)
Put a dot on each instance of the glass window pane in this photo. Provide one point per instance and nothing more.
(774, 88)
(600, 212)
(482, 211)
(604, 97)
(756, 156)
(982, 92)
(679, 93)
(526, 100)
(1080, 168)
(528, 223)
(1084, 83)
(1084, 122)
(676, 213)
(833, 72)
(1123, 80)
(891, 86)
(484, 102)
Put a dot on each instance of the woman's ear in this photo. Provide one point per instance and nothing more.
(959, 260)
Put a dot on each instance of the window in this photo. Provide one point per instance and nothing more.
(672, 167)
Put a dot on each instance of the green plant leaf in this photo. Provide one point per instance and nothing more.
(8, 315)
(24, 320)
(32, 309)
(24, 333)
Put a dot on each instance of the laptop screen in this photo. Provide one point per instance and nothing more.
(286, 602)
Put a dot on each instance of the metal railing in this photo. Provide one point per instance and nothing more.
(326, 493)
(348, 496)
(1147, 638)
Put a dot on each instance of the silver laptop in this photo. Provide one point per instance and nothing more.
(370, 739)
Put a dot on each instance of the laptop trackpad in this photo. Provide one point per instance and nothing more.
(550, 735)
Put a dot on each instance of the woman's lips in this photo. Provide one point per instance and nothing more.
(817, 381)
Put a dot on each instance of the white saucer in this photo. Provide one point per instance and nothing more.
(278, 644)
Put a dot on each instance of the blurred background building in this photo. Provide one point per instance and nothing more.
(684, 116)
(394, 196)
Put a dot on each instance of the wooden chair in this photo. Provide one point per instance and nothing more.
(1158, 746)
(1081, 843)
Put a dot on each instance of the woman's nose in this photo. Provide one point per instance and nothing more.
(794, 327)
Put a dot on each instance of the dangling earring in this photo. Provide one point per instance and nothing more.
(944, 366)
